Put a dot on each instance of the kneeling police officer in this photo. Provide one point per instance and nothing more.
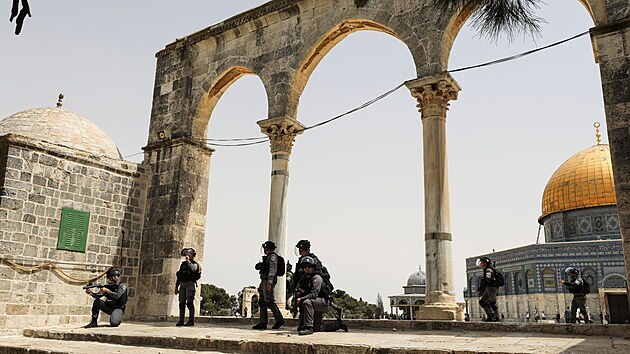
(115, 293)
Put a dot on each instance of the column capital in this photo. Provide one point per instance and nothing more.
(434, 94)
(281, 132)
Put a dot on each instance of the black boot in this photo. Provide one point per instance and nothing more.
(260, 326)
(191, 316)
(278, 324)
(182, 313)
(306, 331)
(92, 324)
(342, 325)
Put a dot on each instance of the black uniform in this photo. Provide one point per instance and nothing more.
(576, 287)
(113, 305)
(186, 283)
(488, 294)
(268, 270)
(315, 301)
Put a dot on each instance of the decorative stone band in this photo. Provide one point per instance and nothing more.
(281, 132)
(280, 157)
(280, 173)
(434, 94)
(442, 236)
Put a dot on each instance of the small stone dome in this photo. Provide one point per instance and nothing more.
(60, 127)
(585, 180)
(417, 279)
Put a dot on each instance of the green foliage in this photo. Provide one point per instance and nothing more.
(495, 17)
(216, 301)
(353, 308)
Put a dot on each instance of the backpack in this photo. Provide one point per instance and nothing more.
(326, 277)
(586, 288)
(498, 279)
(282, 266)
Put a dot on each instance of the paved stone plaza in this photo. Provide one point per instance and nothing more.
(158, 337)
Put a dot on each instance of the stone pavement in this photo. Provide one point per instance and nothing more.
(233, 338)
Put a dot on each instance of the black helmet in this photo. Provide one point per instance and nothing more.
(112, 272)
(303, 244)
(571, 270)
(307, 261)
(269, 244)
(190, 251)
(482, 259)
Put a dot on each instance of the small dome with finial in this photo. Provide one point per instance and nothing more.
(58, 126)
(417, 279)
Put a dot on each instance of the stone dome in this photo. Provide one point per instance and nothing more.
(585, 180)
(417, 279)
(60, 127)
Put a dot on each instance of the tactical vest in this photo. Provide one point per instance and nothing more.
(120, 302)
(186, 274)
(307, 285)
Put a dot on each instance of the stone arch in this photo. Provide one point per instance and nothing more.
(211, 97)
(590, 275)
(472, 286)
(316, 53)
(595, 8)
(613, 281)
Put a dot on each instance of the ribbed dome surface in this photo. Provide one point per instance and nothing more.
(417, 278)
(585, 180)
(60, 127)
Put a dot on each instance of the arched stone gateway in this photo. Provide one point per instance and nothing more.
(282, 42)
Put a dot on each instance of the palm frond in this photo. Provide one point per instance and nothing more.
(492, 18)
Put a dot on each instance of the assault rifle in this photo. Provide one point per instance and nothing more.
(112, 287)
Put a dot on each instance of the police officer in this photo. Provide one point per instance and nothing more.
(488, 290)
(576, 286)
(186, 284)
(314, 298)
(115, 294)
(268, 270)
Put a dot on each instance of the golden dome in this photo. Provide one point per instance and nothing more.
(585, 180)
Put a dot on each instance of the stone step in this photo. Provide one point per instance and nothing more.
(26, 345)
(241, 339)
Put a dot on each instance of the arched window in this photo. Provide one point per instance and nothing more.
(472, 286)
(402, 302)
(530, 285)
(518, 283)
(590, 276)
(549, 280)
(508, 284)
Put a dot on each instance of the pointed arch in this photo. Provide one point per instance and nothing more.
(213, 94)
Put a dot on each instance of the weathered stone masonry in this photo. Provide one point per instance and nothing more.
(38, 180)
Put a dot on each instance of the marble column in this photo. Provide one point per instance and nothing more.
(433, 95)
(281, 132)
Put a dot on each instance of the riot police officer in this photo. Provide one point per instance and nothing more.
(488, 289)
(186, 285)
(579, 288)
(268, 270)
(115, 293)
(313, 302)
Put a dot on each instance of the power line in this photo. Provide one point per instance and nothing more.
(262, 139)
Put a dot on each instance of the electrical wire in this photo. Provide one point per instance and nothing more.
(262, 139)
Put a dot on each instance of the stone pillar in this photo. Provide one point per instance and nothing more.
(433, 95)
(174, 219)
(281, 132)
(612, 51)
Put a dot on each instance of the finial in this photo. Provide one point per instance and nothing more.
(597, 134)
(60, 100)
(420, 268)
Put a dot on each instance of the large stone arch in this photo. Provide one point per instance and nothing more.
(281, 41)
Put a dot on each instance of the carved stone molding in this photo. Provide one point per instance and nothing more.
(434, 94)
(281, 132)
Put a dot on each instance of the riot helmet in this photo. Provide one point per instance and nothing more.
(302, 244)
(307, 261)
(270, 245)
(571, 270)
(111, 272)
(482, 260)
(190, 251)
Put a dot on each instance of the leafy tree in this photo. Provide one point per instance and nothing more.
(216, 301)
(494, 17)
(380, 309)
(353, 308)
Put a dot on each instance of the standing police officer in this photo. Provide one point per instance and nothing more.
(186, 285)
(488, 289)
(115, 294)
(268, 270)
(579, 288)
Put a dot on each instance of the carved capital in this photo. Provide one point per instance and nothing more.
(281, 132)
(434, 94)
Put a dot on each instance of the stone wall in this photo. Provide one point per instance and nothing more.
(37, 180)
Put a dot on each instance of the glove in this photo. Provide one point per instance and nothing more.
(258, 266)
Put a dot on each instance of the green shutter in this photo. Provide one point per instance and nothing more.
(73, 230)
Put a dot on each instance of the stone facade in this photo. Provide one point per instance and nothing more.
(39, 179)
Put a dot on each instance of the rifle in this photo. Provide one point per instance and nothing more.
(112, 287)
